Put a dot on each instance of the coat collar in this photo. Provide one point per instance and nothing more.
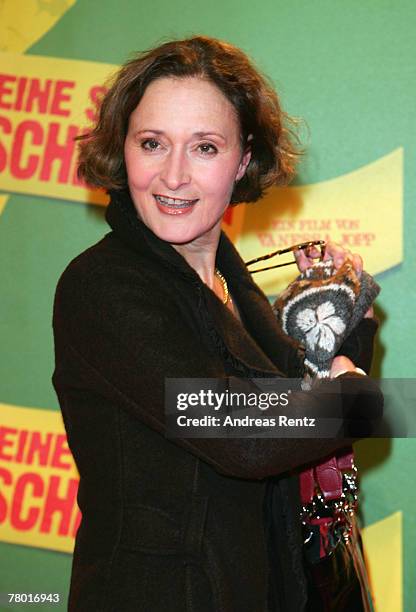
(278, 350)
(122, 218)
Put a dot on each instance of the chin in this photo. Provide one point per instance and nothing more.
(179, 233)
(176, 238)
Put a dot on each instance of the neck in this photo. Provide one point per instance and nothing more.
(200, 254)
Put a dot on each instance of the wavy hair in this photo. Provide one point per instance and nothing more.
(274, 142)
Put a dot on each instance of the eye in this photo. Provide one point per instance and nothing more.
(150, 144)
(206, 148)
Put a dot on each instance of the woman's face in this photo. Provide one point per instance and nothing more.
(183, 155)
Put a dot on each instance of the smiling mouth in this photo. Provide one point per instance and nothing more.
(174, 203)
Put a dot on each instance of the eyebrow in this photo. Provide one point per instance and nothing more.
(198, 134)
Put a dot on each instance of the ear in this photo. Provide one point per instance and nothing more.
(245, 160)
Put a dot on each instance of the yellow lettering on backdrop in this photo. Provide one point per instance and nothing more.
(362, 210)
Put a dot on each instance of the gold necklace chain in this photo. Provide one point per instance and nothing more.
(226, 293)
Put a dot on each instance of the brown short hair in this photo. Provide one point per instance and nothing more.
(274, 144)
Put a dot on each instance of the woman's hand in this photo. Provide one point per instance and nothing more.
(338, 254)
(333, 251)
(341, 364)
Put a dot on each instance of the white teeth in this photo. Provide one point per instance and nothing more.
(173, 202)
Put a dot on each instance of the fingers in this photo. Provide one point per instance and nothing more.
(302, 260)
(337, 253)
(341, 363)
(312, 252)
(340, 255)
(357, 264)
(370, 313)
(306, 258)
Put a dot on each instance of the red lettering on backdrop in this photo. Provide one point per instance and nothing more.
(4, 90)
(38, 94)
(76, 180)
(6, 432)
(266, 239)
(35, 499)
(39, 448)
(96, 94)
(35, 95)
(55, 151)
(17, 169)
(30, 448)
(64, 505)
(6, 477)
(61, 449)
(23, 435)
(283, 225)
(21, 88)
(36, 483)
(6, 126)
(60, 97)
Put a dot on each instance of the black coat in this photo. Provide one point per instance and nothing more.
(172, 525)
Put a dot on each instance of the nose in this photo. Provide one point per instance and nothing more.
(175, 171)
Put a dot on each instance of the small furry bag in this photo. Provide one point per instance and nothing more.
(321, 308)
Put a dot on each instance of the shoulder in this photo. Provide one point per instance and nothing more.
(108, 252)
(106, 263)
(108, 277)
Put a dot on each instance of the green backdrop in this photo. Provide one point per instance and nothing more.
(346, 67)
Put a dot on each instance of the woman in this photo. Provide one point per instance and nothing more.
(177, 525)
